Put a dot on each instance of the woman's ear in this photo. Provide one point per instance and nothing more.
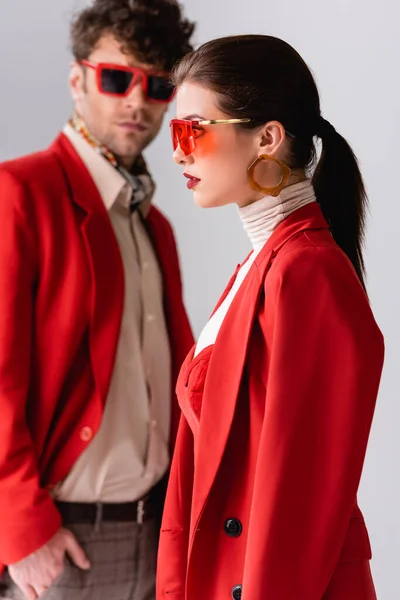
(272, 137)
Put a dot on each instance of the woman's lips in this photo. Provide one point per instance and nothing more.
(193, 181)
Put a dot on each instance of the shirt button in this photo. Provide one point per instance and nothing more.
(154, 423)
(150, 318)
(86, 434)
(145, 265)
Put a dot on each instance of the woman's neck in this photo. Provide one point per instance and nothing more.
(261, 218)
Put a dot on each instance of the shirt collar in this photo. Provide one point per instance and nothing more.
(107, 179)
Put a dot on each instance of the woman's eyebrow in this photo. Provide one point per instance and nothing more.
(194, 117)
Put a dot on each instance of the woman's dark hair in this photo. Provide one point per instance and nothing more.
(154, 31)
(263, 78)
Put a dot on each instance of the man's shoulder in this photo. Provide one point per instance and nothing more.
(28, 163)
(35, 171)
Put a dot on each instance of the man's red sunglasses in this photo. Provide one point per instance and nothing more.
(184, 131)
(118, 81)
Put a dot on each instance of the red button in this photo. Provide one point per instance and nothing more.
(86, 434)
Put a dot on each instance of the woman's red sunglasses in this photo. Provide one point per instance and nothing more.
(184, 131)
(118, 80)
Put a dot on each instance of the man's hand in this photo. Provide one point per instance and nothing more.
(38, 571)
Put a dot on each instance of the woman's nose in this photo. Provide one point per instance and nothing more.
(180, 157)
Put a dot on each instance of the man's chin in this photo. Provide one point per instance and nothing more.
(127, 155)
(128, 152)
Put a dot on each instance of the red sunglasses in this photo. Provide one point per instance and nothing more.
(118, 81)
(184, 131)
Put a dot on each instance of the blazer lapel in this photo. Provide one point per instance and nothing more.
(104, 261)
(222, 385)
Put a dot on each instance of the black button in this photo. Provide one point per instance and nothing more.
(233, 527)
(237, 592)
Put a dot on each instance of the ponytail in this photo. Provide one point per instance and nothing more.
(341, 194)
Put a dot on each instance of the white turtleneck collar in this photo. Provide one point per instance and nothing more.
(261, 218)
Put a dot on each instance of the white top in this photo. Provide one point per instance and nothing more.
(259, 220)
(129, 454)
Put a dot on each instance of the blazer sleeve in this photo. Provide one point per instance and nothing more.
(28, 515)
(325, 360)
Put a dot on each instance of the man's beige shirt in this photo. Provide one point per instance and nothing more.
(129, 454)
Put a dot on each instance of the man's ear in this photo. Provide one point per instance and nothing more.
(76, 81)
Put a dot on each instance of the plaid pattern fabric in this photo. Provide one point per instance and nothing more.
(123, 565)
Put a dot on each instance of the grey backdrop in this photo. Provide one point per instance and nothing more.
(353, 50)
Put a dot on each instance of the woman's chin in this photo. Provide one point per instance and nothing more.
(203, 200)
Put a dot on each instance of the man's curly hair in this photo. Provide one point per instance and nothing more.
(154, 31)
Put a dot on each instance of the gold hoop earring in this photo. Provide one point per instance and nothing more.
(274, 191)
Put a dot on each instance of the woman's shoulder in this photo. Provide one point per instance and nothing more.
(314, 281)
(312, 266)
(312, 253)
